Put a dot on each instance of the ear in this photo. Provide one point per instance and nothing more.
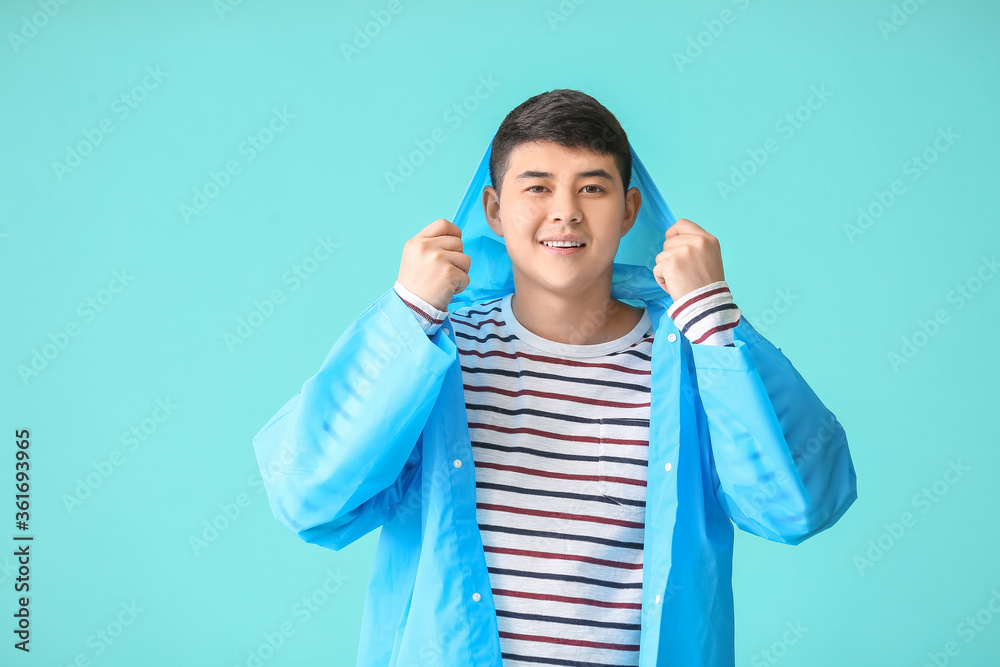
(633, 200)
(491, 209)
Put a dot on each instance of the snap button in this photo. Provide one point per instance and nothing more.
(445, 330)
(657, 598)
(667, 467)
(458, 463)
(672, 337)
(477, 597)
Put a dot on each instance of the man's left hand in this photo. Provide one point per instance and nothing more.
(691, 258)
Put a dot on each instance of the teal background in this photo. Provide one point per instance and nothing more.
(848, 302)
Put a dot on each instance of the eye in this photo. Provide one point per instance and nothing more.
(532, 188)
(598, 188)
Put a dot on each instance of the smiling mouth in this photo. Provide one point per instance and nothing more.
(560, 249)
(561, 244)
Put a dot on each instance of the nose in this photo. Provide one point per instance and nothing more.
(564, 207)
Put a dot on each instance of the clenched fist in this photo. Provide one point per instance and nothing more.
(691, 258)
(433, 265)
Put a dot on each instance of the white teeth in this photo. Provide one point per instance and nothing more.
(562, 244)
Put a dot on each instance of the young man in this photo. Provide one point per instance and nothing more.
(556, 471)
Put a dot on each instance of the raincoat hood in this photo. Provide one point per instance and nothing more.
(491, 274)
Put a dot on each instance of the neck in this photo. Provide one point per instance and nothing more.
(574, 317)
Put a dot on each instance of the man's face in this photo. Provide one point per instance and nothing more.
(550, 192)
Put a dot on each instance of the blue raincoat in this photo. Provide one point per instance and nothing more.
(378, 437)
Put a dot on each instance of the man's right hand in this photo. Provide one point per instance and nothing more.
(433, 265)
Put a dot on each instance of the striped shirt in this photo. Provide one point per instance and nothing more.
(560, 434)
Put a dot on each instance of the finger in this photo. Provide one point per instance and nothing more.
(459, 259)
(658, 274)
(675, 243)
(441, 227)
(685, 226)
(446, 242)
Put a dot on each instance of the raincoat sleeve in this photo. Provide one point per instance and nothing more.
(345, 447)
(782, 469)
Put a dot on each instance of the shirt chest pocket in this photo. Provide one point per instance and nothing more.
(621, 468)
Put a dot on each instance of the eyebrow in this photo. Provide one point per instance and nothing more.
(593, 173)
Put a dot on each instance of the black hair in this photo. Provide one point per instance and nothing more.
(567, 117)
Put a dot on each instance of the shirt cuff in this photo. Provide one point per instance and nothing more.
(707, 315)
(430, 318)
